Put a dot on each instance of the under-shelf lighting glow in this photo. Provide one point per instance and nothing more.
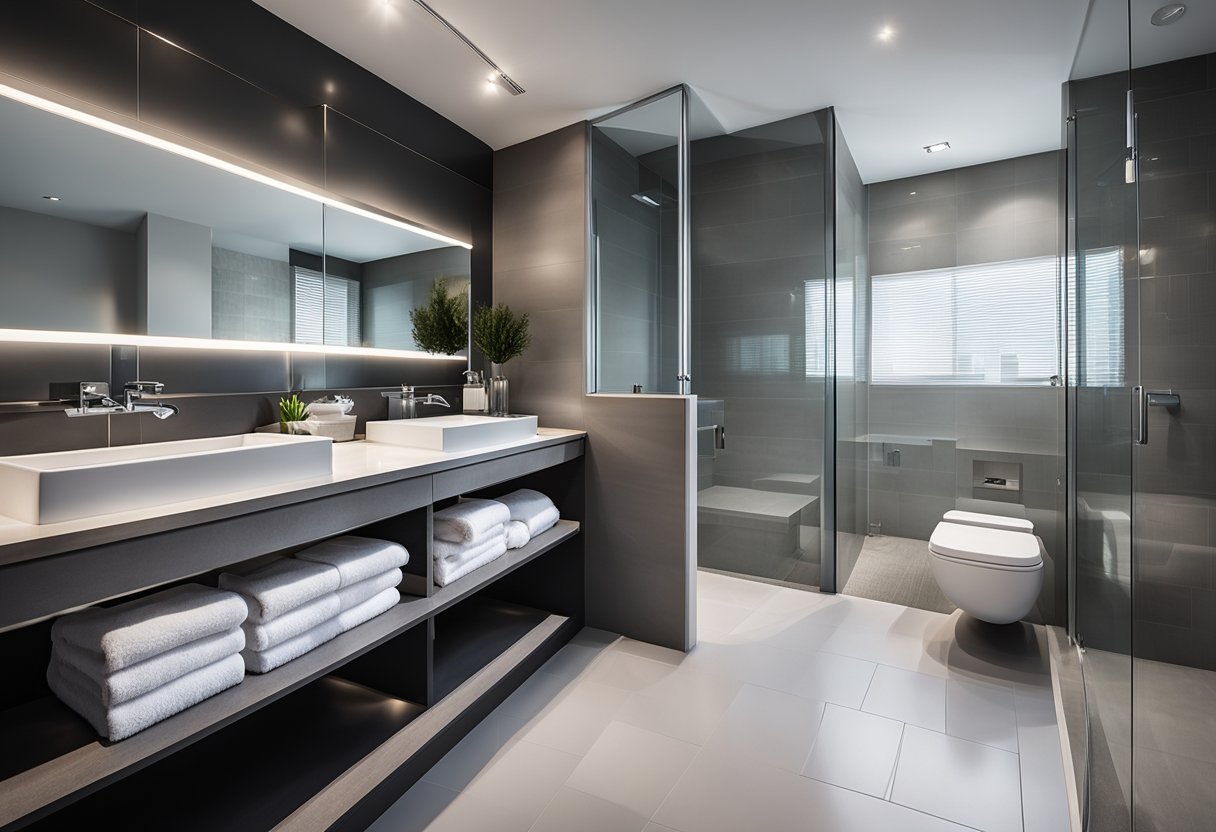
(54, 336)
(198, 156)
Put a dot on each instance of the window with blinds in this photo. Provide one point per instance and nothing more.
(327, 309)
(1096, 335)
(989, 323)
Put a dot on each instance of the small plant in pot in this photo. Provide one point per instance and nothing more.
(442, 326)
(501, 335)
(291, 412)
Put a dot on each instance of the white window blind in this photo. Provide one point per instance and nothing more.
(990, 323)
(327, 309)
(1099, 319)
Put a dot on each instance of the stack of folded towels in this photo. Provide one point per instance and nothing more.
(126, 667)
(296, 604)
(475, 532)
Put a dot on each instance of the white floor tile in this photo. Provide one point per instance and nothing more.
(658, 827)
(687, 705)
(723, 794)
(572, 660)
(735, 591)
(572, 810)
(855, 750)
(719, 618)
(829, 678)
(905, 652)
(1044, 795)
(842, 810)
(523, 780)
(632, 767)
(962, 781)
(626, 671)
(769, 727)
(576, 722)
(981, 713)
(915, 698)
(794, 631)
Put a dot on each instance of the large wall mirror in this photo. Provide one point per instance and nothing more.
(110, 233)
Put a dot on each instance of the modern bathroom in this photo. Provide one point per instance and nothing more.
(445, 415)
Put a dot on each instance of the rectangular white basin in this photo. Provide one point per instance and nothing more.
(68, 485)
(459, 432)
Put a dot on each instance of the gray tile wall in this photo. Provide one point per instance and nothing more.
(984, 213)
(391, 288)
(250, 297)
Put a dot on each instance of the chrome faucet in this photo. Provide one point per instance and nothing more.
(95, 400)
(403, 404)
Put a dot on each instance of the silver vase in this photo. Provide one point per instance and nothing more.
(499, 392)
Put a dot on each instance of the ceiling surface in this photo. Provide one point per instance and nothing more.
(984, 75)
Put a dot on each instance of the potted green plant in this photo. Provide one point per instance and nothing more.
(501, 335)
(442, 326)
(292, 412)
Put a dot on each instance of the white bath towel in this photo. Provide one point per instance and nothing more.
(132, 716)
(469, 520)
(380, 603)
(357, 558)
(447, 571)
(263, 661)
(282, 585)
(443, 550)
(129, 633)
(126, 684)
(291, 624)
(530, 507)
(355, 594)
(517, 534)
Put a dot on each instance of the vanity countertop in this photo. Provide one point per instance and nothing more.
(355, 465)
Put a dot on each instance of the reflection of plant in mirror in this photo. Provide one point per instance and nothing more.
(442, 326)
(292, 410)
(500, 333)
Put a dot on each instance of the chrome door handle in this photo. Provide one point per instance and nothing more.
(1152, 398)
(1141, 416)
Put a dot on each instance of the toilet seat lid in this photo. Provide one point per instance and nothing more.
(991, 521)
(982, 545)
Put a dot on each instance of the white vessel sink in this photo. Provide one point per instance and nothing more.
(68, 485)
(460, 432)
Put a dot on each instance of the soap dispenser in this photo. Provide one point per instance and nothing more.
(474, 392)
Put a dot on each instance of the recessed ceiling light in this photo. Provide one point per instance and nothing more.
(911, 193)
(52, 198)
(886, 34)
(937, 148)
(1166, 15)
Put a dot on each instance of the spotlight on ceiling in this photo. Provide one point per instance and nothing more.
(937, 148)
(52, 198)
(1168, 14)
(886, 34)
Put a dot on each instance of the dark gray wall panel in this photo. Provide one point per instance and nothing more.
(214, 371)
(26, 370)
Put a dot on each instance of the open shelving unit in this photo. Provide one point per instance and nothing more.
(337, 733)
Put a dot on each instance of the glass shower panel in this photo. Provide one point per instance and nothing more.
(635, 222)
(760, 217)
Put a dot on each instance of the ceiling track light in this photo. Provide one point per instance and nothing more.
(498, 77)
(937, 147)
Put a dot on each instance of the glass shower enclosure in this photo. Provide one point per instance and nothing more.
(725, 264)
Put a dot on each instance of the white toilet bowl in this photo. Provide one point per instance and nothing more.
(986, 569)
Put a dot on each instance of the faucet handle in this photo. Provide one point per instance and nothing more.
(144, 386)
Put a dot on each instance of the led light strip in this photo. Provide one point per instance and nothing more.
(49, 336)
(198, 156)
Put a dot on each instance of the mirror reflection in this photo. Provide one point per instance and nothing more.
(104, 233)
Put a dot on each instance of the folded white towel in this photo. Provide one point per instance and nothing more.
(281, 585)
(126, 684)
(517, 534)
(126, 634)
(443, 550)
(134, 715)
(447, 571)
(356, 594)
(263, 661)
(544, 521)
(530, 507)
(469, 520)
(291, 624)
(357, 558)
(380, 603)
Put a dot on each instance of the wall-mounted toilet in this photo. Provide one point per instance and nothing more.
(988, 566)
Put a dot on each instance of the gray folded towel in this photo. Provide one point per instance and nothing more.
(126, 684)
(281, 586)
(355, 594)
(357, 558)
(531, 508)
(263, 661)
(291, 624)
(134, 715)
(469, 520)
(128, 633)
